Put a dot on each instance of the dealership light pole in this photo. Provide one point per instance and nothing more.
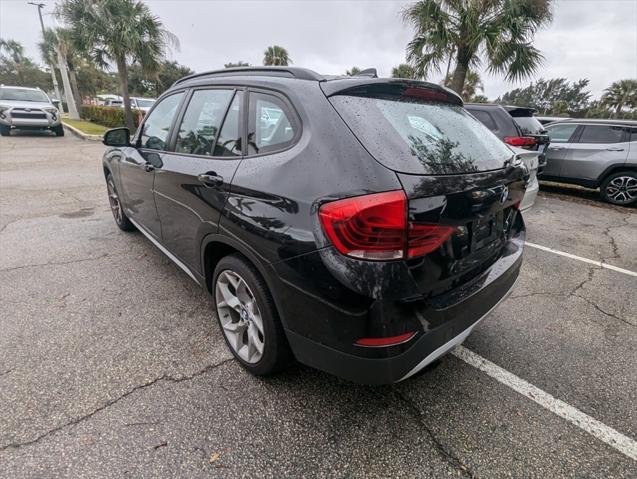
(55, 81)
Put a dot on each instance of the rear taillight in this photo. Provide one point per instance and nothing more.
(520, 140)
(375, 227)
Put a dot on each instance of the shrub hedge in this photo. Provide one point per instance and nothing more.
(109, 116)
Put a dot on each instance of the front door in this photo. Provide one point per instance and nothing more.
(561, 135)
(138, 165)
(192, 186)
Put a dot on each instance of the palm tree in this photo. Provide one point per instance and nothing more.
(276, 55)
(12, 52)
(620, 94)
(472, 85)
(500, 31)
(121, 32)
(405, 70)
(353, 72)
(60, 38)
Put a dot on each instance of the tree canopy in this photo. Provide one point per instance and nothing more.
(120, 32)
(404, 70)
(499, 32)
(18, 69)
(555, 97)
(276, 55)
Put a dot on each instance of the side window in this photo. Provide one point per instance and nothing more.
(561, 133)
(602, 134)
(270, 126)
(485, 118)
(157, 125)
(202, 121)
(229, 141)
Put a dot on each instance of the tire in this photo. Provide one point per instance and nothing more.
(235, 278)
(620, 188)
(58, 130)
(5, 130)
(121, 220)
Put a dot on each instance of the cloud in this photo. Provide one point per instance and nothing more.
(595, 39)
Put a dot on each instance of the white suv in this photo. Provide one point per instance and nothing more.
(27, 109)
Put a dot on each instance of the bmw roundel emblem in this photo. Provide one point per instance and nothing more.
(505, 194)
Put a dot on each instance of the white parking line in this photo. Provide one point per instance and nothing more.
(601, 431)
(601, 264)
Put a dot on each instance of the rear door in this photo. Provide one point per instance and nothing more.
(596, 148)
(192, 185)
(561, 135)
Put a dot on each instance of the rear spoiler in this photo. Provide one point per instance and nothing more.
(375, 87)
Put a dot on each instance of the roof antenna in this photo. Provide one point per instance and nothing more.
(368, 72)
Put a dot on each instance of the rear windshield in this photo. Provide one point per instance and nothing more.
(417, 137)
(529, 125)
(17, 94)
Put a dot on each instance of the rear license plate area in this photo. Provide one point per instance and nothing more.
(485, 231)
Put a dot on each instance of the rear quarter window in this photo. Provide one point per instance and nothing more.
(529, 125)
(418, 137)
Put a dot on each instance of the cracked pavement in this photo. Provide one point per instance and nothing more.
(112, 364)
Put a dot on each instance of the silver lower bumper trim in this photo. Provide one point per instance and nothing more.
(445, 348)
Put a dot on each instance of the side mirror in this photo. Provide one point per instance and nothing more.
(117, 137)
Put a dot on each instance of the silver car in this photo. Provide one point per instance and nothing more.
(595, 154)
(27, 109)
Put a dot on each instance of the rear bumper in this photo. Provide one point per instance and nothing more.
(445, 324)
(530, 195)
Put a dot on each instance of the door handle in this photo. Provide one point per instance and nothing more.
(210, 179)
(615, 148)
(148, 167)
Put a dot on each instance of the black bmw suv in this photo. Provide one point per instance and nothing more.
(363, 226)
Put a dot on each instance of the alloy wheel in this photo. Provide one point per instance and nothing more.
(113, 199)
(622, 189)
(239, 316)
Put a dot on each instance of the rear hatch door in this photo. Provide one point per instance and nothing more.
(454, 171)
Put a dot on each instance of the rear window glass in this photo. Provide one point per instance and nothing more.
(529, 125)
(419, 137)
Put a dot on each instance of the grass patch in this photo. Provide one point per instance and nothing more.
(87, 127)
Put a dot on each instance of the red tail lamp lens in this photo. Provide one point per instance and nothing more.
(390, 341)
(368, 227)
(519, 140)
(375, 227)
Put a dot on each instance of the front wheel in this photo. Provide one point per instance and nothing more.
(117, 209)
(248, 317)
(5, 130)
(620, 188)
(58, 130)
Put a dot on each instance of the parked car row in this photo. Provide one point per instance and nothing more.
(137, 103)
(592, 153)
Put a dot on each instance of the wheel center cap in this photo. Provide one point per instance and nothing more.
(244, 315)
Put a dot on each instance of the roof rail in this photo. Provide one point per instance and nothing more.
(292, 72)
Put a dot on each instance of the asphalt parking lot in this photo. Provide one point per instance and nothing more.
(112, 364)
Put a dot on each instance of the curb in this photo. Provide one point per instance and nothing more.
(81, 134)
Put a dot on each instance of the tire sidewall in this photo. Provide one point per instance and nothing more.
(256, 284)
